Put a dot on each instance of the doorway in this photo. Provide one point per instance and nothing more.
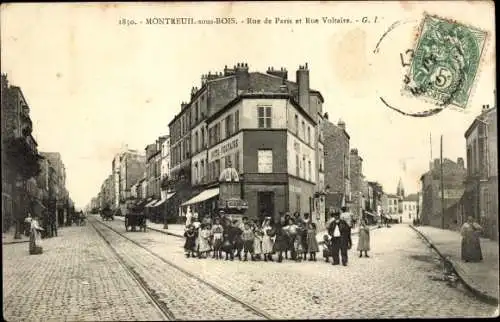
(265, 200)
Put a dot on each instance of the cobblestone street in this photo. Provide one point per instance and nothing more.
(401, 279)
(76, 278)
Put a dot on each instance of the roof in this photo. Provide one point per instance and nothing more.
(390, 195)
(478, 120)
(257, 96)
(411, 197)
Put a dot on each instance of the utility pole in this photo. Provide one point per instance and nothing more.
(442, 183)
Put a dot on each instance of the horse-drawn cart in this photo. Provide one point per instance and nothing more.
(107, 214)
(135, 219)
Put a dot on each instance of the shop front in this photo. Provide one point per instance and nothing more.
(202, 204)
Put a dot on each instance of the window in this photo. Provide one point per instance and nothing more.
(237, 161)
(217, 169)
(297, 165)
(309, 170)
(304, 167)
(227, 161)
(237, 121)
(203, 145)
(264, 116)
(297, 202)
(196, 112)
(303, 130)
(229, 125)
(217, 133)
(196, 172)
(265, 161)
(296, 124)
(309, 135)
(196, 146)
(320, 159)
(202, 170)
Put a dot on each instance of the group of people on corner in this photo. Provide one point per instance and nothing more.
(247, 239)
(292, 235)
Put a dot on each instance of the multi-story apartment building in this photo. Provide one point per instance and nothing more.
(356, 183)
(165, 157)
(337, 164)
(410, 208)
(453, 181)
(60, 192)
(266, 128)
(128, 167)
(481, 185)
(19, 153)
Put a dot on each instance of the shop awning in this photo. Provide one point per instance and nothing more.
(161, 201)
(204, 195)
(151, 203)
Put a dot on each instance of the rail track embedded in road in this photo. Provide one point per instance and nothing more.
(232, 298)
(148, 292)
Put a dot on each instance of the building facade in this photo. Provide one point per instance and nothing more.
(337, 164)
(481, 186)
(356, 183)
(263, 125)
(453, 181)
(410, 208)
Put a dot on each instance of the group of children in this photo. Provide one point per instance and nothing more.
(296, 236)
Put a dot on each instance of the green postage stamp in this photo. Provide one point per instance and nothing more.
(445, 62)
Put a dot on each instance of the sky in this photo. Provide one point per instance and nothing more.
(94, 85)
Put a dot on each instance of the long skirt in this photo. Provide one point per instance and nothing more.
(203, 245)
(312, 242)
(257, 246)
(363, 240)
(267, 245)
(35, 245)
(471, 249)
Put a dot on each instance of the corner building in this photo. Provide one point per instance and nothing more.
(264, 126)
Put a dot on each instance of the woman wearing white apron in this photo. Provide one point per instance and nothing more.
(35, 247)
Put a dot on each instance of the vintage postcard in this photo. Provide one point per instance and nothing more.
(249, 160)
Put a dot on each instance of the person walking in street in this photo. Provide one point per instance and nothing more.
(267, 239)
(471, 244)
(312, 243)
(27, 225)
(35, 245)
(364, 238)
(346, 216)
(339, 231)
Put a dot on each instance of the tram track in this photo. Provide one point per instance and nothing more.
(218, 297)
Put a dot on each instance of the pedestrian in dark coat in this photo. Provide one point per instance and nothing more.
(234, 235)
(339, 232)
(281, 241)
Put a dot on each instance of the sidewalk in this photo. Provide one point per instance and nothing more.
(173, 229)
(8, 238)
(482, 278)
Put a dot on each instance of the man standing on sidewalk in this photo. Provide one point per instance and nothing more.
(347, 217)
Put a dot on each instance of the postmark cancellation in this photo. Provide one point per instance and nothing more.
(445, 62)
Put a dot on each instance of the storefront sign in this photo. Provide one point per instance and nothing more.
(228, 147)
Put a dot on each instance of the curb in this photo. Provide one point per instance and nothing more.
(458, 271)
(160, 230)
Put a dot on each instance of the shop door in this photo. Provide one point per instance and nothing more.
(266, 204)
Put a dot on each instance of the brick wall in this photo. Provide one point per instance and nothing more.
(336, 148)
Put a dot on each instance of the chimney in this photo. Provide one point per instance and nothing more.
(229, 71)
(325, 115)
(242, 76)
(183, 105)
(354, 151)
(460, 162)
(486, 107)
(302, 78)
(282, 73)
(436, 164)
(341, 124)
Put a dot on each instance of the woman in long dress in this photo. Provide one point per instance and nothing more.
(35, 246)
(363, 238)
(267, 239)
(471, 245)
(281, 242)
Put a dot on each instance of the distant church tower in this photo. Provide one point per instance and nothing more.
(400, 192)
